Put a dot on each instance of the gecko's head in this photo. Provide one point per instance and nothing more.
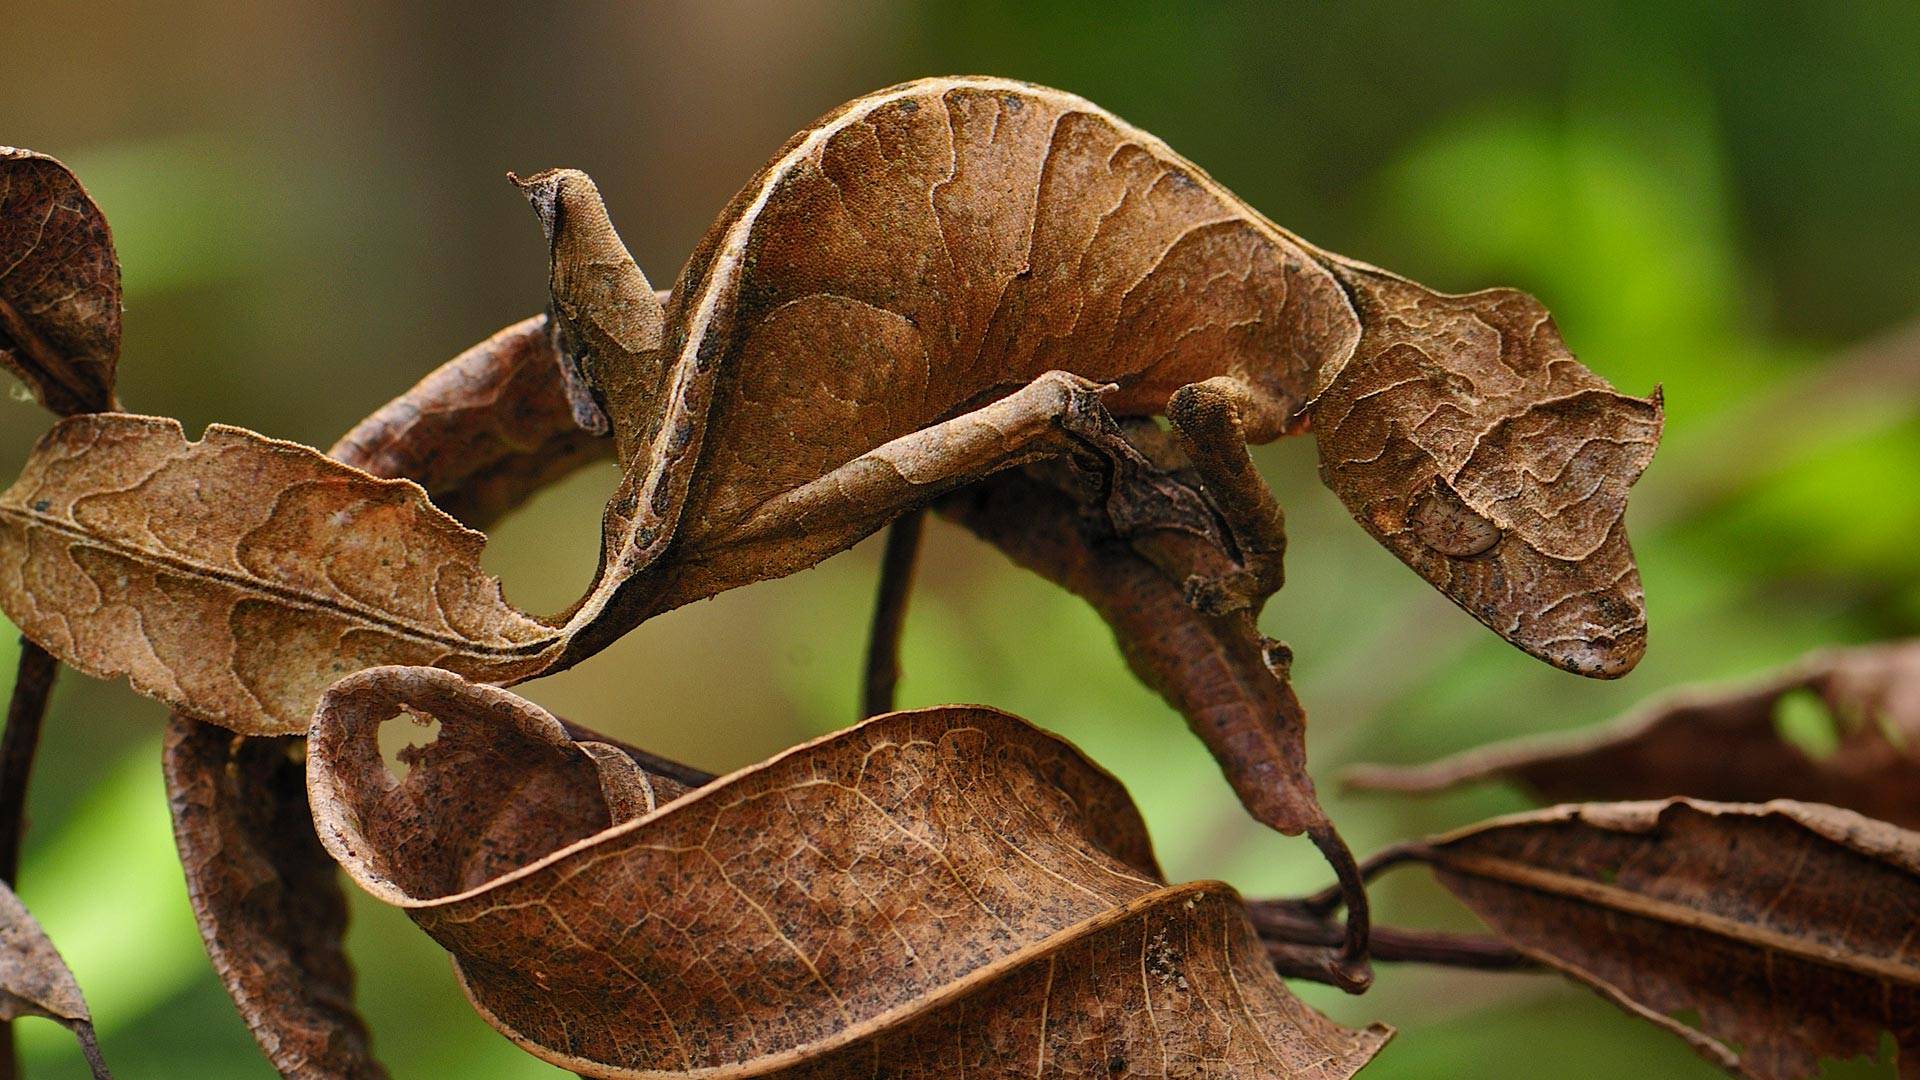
(1467, 439)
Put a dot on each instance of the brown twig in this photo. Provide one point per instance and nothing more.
(90, 1046)
(32, 686)
(890, 614)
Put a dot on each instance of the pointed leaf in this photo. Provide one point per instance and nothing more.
(59, 286)
(267, 898)
(1726, 745)
(235, 577)
(35, 981)
(1787, 928)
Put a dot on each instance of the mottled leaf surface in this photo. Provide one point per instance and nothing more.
(1466, 438)
(1727, 744)
(59, 286)
(266, 897)
(235, 577)
(926, 893)
(1787, 929)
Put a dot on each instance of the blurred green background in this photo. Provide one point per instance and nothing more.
(309, 203)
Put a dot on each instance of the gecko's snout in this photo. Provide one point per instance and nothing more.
(1600, 633)
(1606, 657)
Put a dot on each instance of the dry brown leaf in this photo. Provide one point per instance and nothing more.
(1724, 744)
(266, 897)
(235, 577)
(59, 286)
(926, 249)
(35, 981)
(483, 431)
(1787, 928)
(925, 892)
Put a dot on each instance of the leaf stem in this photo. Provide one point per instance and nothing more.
(890, 614)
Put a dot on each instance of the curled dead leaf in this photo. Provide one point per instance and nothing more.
(483, 431)
(35, 981)
(235, 577)
(1726, 744)
(59, 286)
(1787, 928)
(266, 897)
(926, 892)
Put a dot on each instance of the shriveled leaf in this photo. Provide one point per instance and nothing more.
(1787, 928)
(483, 431)
(924, 893)
(59, 286)
(235, 577)
(1216, 669)
(1728, 745)
(267, 897)
(925, 249)
(35, 981)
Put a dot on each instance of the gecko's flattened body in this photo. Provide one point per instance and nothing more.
(929, 248)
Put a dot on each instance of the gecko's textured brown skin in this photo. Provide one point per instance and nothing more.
(931, 246)
(939, 893)
(1785, 929)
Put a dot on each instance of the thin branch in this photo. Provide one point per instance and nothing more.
(90, 1046)
(890, 614)
(1285, 926)
(32, 686)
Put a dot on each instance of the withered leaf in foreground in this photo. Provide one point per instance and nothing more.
(59, 286)
(1725, 744)
(34, 981)
(235, 577)
(267, 897)
(1787, 928)
(926, 893)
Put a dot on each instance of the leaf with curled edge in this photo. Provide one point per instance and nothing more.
(1787, 928)
(266, 897)
(926, 894)
(1723, 744)
(35, 981)
(483, 431)
(59, 286)
(235, 577)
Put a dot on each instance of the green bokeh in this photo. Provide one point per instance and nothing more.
(1719, 199)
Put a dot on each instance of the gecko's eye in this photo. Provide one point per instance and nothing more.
(1445, 524)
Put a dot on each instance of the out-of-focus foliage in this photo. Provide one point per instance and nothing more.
(309, 206)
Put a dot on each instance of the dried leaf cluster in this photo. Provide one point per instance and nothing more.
(977, 297)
